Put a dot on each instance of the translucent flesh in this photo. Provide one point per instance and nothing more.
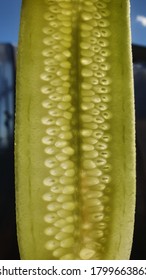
(75, 144)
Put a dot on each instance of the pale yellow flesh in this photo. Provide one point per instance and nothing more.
(75, 142)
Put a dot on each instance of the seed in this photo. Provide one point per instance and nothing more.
(67, 243)
(63, 197)
(68, 229)
(52, 244)
(86, 254)
(53, 206)
(69, 206)
(61, 236)
(58, 252)
(68, 257)
(51, 231)
(89, 164)
(60, 223)
(49, 197)
(68, 151)
(50, 218)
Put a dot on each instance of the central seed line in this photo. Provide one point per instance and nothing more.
(77, 73)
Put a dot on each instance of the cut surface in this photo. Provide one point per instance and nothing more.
(75, 145)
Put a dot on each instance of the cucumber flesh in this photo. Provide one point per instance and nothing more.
(75, 139)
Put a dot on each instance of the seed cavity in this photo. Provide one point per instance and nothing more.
(76, 92)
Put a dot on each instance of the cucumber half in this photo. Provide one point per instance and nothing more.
(75, 130)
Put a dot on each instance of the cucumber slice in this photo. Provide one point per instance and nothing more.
(74, 131)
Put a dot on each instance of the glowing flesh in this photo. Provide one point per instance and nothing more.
(75, 157)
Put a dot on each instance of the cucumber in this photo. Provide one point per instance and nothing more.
(75, 131)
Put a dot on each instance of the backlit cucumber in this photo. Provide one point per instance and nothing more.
(74, 131)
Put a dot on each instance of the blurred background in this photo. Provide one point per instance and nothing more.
(9, 28)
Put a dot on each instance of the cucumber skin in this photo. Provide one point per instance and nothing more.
(30, 238)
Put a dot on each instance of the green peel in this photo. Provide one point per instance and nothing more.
(74, 132)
